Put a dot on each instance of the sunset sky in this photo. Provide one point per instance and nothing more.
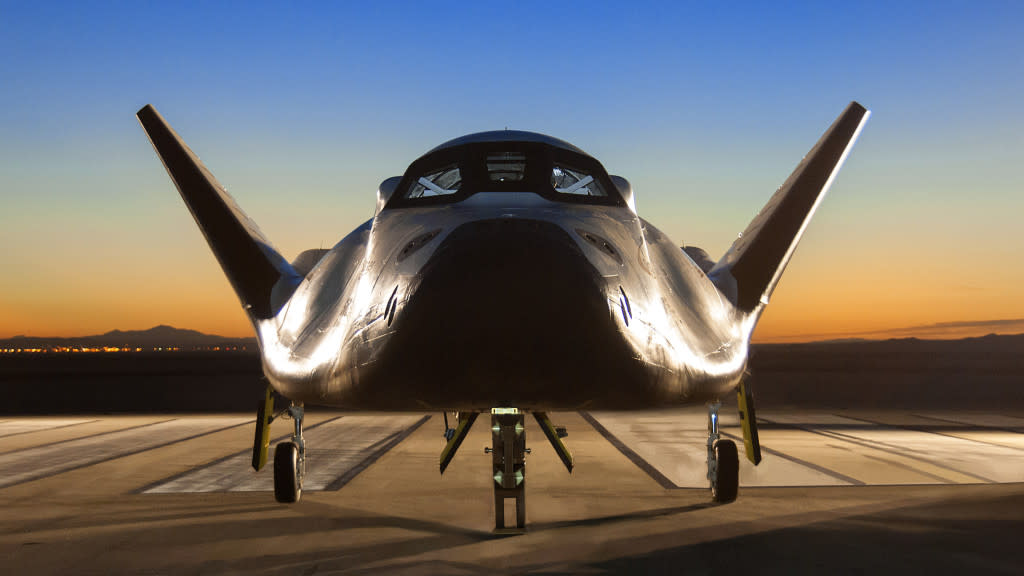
(705, 107)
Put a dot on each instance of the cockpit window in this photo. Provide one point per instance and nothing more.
(443, 182)
(557, 174)
(571, 181)
(506, 166)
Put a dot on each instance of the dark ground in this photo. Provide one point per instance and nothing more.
(975, 373)
(145, 382)
(970, 374)
(967, 532)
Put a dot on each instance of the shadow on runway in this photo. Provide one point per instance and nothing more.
(604, 520)
(955, 537)
(959, 536)
(331, 537)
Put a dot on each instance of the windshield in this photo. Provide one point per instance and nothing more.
(570, 181)
(506, 166)
(452, 175)
(442, 182)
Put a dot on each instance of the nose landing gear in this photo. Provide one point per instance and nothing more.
(508, 436)
(508, 450)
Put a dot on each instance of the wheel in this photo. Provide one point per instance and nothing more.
(727, 481)
(287, 488)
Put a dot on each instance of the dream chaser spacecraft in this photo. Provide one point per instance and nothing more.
(505, 272)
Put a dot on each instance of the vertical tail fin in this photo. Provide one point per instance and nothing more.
(262, 279)
(751, 268)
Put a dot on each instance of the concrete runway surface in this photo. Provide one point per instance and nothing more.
(837, 492)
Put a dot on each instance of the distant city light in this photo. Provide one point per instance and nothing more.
(119, 349)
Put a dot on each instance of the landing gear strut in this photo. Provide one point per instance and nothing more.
(508, 436)
(723, 460)
(290, 461)
(508, 441)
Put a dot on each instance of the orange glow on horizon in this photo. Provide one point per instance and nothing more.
(840, 284)
(798, 312)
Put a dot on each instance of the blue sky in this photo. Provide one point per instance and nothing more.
(302, 109)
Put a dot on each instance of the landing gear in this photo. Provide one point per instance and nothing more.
(723, 460)
(455, 436)
(290, 461)
(289, 457)
(287, 484)
(508, 450)
(508, 437)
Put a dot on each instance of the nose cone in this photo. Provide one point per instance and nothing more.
(509, 312)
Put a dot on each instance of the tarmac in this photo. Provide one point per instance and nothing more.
(837, 492)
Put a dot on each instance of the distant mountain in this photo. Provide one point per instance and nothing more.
(156, 337)
(988, 341)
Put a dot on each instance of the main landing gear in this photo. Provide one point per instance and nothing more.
(723, 460)
(290, 461)
(289, 457)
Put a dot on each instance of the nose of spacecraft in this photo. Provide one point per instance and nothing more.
(515, 273)
(515, 301)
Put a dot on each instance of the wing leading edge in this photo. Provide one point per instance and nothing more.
(751, 268)
(262, 279)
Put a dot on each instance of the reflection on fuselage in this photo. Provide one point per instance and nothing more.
(515, 298)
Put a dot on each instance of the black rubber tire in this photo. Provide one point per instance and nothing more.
(286, 478)
(726, 485)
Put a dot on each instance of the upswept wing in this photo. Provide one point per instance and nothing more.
(751, 268)
(262, 279)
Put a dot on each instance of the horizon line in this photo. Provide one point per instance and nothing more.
(952, 330)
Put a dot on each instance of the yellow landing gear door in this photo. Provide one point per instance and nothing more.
(554, 436)
(261, 442)
(456, 436)
(748, 418)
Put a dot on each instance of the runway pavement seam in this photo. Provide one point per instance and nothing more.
(89, 436)
(363, 458)
(628, 452)
(801, 462)
(45, 429)
(869, 425)
(884, 447)
(175, 477)
(385, 445)
(927, 430)
(51, 473)
(1012, 430)
(905, 453)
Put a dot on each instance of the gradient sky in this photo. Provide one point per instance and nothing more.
(706, 107)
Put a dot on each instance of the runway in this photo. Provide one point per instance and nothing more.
(829, 449)
(175, 494)
(360, 440)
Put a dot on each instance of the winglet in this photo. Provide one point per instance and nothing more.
(751, 268)
(262, 279)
